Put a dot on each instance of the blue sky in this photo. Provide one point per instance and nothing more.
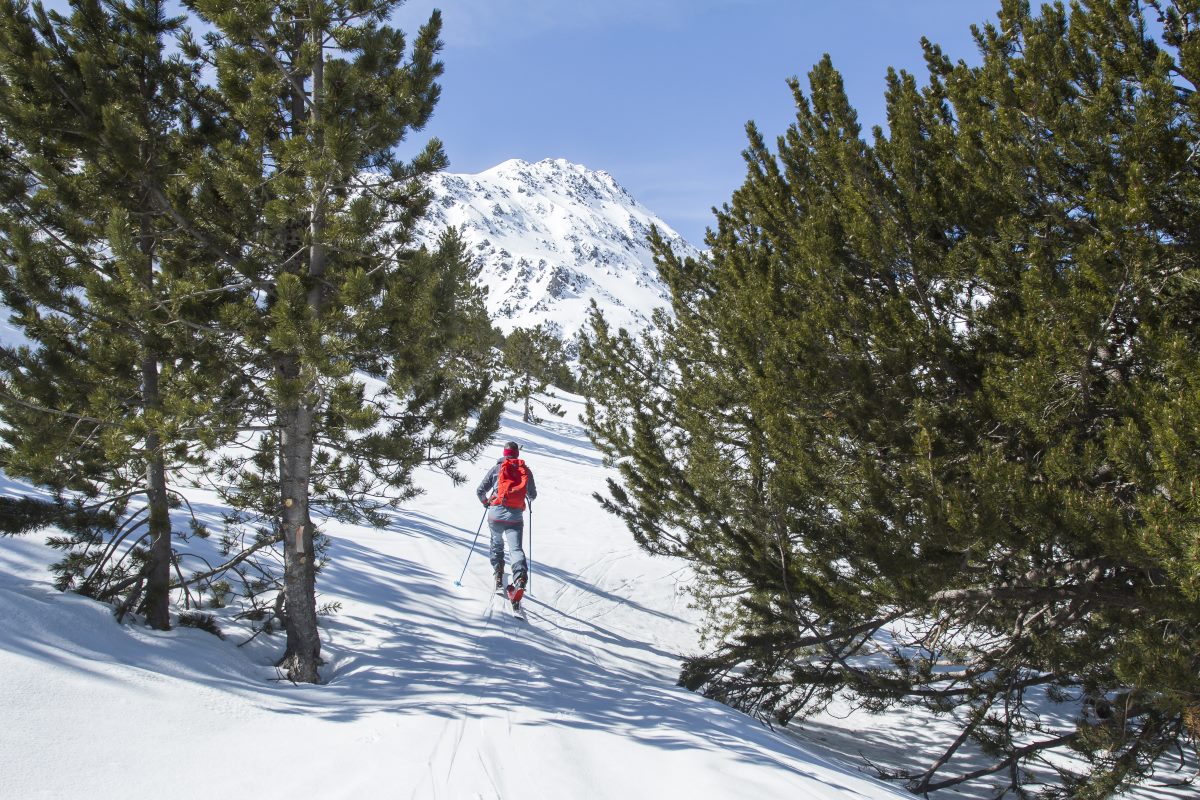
(658, 92)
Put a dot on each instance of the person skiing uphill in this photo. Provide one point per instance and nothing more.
(504, 491)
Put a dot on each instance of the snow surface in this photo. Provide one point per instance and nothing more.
(432, 690)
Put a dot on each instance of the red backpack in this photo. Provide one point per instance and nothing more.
(510, 484)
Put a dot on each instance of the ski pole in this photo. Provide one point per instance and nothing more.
(529, 555)
(472, 550)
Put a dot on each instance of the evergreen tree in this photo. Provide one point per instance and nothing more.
(947, 378)
(107, 397)
(534, 358)
(361, 351)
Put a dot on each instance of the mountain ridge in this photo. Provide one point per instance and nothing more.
(550, 237)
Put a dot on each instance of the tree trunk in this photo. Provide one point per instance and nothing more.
(156, 604)
(296, 427)
(303, 654)
(527, 391)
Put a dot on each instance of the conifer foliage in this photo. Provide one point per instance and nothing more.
(534, 358)
(212, 251)
(106, 398)
(926, 418)
(308, 202)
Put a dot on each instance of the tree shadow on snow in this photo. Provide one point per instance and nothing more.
(461, 656)
(409, 644)
(417, 525)
(556, 440)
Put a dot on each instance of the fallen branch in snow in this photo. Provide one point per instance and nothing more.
(231, 563)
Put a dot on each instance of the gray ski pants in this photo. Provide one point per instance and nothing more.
(509, 534)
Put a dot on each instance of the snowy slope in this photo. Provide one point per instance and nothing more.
(552, 236)
(433, 690)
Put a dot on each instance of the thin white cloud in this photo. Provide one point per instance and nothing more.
(474, 23)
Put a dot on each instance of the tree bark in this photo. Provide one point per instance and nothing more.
(527, 391)
(296, 427)
(303, 654)
(156, 604)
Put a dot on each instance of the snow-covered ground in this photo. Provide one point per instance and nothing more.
(432, 690)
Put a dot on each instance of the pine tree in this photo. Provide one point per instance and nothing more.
(106, 398)
(534, 358)
(946, 377)
(361, 350)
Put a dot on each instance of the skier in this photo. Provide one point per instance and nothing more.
(513, 483)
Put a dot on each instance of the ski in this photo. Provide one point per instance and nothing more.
(514, 596)
(515, 611)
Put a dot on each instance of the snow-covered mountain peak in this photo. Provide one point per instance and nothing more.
(550, 237)
(557, 176)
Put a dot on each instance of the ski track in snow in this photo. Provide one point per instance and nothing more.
(432, 691)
